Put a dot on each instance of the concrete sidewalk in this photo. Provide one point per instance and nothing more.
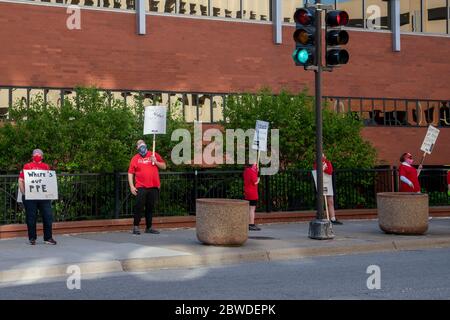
(122, 251)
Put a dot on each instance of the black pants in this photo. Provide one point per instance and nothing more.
(146, 201)
(45, 208)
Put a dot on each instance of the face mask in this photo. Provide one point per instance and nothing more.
(409, 161)
(142, 150)
(37, 158)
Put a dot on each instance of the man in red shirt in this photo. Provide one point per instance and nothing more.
(32, 206)
(251, 181)
(144, 169)
(409, 176)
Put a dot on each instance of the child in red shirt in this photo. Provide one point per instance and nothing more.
(251, 181)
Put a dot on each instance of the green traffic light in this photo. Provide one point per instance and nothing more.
(301, 56)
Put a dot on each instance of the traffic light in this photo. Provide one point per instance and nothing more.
(336, 37)
(304, 37)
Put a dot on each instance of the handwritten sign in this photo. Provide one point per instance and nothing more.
(430, 139)
(260, 138)
(40, 185)
(327, 183)
(155, 120)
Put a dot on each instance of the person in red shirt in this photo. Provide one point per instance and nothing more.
(32, 206)
(251, 181)
(409, 176)
(328, 170)
(144, 170)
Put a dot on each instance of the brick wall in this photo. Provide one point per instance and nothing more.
(183, 54)
(391, 143)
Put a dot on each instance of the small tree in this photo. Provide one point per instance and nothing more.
(89, 133)
(294, 116)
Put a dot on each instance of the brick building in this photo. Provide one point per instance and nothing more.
(197, 52)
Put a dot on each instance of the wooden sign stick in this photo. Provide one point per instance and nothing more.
(154, 144)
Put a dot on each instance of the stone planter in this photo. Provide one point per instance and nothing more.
(403, 212)
(222, 221)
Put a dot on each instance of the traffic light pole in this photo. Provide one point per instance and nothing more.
(320, 228)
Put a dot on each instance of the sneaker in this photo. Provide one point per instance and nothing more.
(33, 242)
(336, 222)
(136, 230)
(50, 241)
(150, 230)
(253, 227)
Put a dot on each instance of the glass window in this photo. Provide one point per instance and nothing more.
(354, 9)
(176, 105)
(410, 18)
(226, 8)
(194, 7)
(435, 16)
(256, 9)
(377, 16)
(217, 108)
(289, 7)
(204, 105)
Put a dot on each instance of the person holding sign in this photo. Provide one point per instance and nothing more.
(144, 169)
(32, 206)
(409, 176)
(251, 181)
(328, 175)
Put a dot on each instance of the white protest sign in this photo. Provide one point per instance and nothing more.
(260, 138)
(155, 120)
(430, 139)
(327, 183)
(40, 185)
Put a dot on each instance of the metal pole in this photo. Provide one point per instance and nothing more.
(320, 228)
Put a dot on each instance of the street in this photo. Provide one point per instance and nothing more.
(413, 274)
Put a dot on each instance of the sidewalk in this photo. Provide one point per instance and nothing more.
(122, 251)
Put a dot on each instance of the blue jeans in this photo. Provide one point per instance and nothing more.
(45, 208)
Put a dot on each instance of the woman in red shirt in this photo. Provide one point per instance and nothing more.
(409, 176)
(328, 171)
(251, 181)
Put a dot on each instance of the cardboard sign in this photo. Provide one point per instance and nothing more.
(430, 139)
(40, 185)
(327, 183)
(155, 120)
(260, 138)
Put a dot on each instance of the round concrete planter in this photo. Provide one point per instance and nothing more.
(222, 221)
(403, 212)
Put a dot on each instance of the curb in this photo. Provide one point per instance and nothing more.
(182, 261)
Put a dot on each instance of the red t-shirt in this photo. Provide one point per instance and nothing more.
(409, 173)
(448, 177)
(145, 173)
(329, 169)
(250, 188)
(33, 166)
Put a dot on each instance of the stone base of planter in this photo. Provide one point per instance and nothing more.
(222, 221)
(403, 212)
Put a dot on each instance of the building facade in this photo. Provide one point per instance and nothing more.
(197, 52)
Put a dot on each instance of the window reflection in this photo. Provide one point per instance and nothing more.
(376, 13)
(410, 17)
(354, 10)
(435, 16)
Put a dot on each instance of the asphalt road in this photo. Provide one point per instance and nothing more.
(418, 274)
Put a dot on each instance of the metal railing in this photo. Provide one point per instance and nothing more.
(208, 107)
(107, 196)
